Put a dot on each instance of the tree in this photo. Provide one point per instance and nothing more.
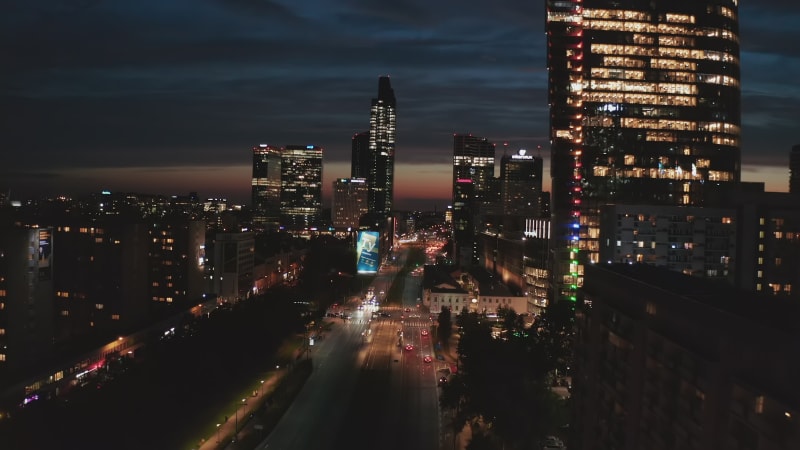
(502, 382)
(556, 331)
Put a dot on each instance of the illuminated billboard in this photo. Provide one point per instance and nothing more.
(367, 252)
(45, 247)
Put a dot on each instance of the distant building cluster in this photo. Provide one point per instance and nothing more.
(287, 181)
(97, 267)
(91, 269)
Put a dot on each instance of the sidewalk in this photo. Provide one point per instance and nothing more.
(223, 437)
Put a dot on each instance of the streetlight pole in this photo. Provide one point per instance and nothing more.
(236, 425)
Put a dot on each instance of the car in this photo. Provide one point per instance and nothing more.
(442, 380)
(385, 314)
(427, 359)
(408, 309)
(424, 332)
(409, 347)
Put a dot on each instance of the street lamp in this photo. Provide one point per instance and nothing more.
(261, 389)
(236, 427)
(218, 433)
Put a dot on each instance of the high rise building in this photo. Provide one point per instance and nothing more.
(103, 275)
(301, 187)
(361, 156)
(350, 197)
(176, 261)
(464, 243)
(266, 187)
(521, 184)
(473, 159)
(644, 108)
(794, 170)
(26, 299)
(382, 122)
(473, 182)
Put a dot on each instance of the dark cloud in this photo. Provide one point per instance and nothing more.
(264, 8)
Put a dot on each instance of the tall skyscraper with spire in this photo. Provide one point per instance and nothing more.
(382, 123)
(644, 109)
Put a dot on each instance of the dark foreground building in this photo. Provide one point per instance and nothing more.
(667, 361)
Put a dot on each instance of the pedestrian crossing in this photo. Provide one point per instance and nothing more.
(411, 323)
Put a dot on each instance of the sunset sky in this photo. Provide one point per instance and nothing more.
(169, 97)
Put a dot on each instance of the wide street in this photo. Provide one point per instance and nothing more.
(367, 389)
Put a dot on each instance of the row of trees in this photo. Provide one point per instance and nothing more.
(502, 388)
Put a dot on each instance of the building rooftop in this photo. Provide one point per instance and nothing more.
(777, 312)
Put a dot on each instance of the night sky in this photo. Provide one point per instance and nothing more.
(169, 96)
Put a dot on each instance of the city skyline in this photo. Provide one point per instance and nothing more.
(173, 97)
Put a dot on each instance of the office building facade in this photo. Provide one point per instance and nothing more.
(301, 187)
(644, 108)
(266, 187)
(350, 196)
(473, 190)
(473, 159)
(521, 184)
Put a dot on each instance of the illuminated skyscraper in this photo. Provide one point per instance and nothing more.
(382, 121)
(521, 184)
(473, 182)
(473, 159)
(266, 187)
(349, 202)
(644, 108)
(301, 186)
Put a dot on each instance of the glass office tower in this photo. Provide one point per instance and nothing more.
(382, 121)
(644, 108)
(266, 187)
(301, 187)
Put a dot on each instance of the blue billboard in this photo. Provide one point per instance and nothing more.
(367, 252)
